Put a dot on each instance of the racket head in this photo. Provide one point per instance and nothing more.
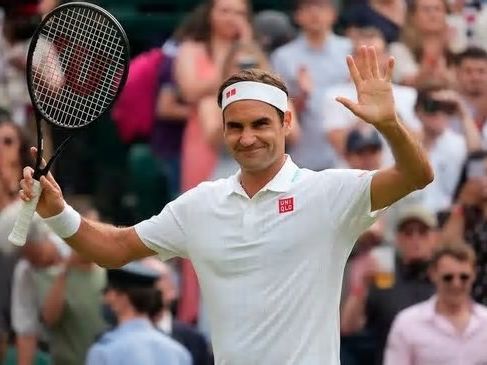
(77, 64)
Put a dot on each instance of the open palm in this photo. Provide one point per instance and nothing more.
(375, 101)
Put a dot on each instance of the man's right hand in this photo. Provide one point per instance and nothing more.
(51, 201)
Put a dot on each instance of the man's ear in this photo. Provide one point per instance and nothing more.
(288, 116)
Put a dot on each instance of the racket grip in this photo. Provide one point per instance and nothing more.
(18, 236)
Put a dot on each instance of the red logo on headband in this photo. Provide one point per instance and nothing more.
(231, 92)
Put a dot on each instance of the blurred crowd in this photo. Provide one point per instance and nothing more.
(415, 286)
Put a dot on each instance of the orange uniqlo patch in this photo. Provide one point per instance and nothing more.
(286, 205)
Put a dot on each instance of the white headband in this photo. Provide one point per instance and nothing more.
(251, 90)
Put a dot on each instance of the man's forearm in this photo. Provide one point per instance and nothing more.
(410, 158)
(107, 245)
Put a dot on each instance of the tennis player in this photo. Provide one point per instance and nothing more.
(269, 244)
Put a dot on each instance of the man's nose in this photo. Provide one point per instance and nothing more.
(247, 138)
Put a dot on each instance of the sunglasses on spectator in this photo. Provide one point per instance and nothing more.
(7, 141)
(410, 230)
(448, 278)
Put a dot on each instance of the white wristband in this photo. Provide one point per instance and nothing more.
(66, 223)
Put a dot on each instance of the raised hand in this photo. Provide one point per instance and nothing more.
(375, 101)
(51, 201)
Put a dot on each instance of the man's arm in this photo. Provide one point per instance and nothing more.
(375, 105)
(104, 244)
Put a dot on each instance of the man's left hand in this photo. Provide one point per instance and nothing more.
(375, 100)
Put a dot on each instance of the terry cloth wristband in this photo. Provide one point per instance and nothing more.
(66, 223)
(251, 90)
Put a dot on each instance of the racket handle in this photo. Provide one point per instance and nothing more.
(18, 236)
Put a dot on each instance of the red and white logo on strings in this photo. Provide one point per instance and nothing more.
(286, 205)
(231, 92)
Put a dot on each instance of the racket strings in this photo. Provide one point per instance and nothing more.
(78, 64)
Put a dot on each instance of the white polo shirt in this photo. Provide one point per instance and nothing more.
(270, 268)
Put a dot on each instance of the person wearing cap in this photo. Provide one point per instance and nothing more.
(337, 122)
(374, 308)
(164, 320)
(269, 243)
(449, 327)
(132, 296)
(364, 149)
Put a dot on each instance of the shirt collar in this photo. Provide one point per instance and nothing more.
(432, 313)
(280, 183)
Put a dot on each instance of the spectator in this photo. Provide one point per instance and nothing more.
(337, 120)
(309, 65)
(423, 51)
(132, 297)
(375, 308)
(71, 300)
(449, 328)
(446, 149)
(471, 76)
(386, 15)
(172, 112)
(468, 220)
(364, 149)
(190, 338)
(273, 29)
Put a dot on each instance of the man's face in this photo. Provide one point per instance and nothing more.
(315, 17)
(453, 279)
(415, 241)
(254, 134)
(434, 123)
(472, 77)
(368, 158)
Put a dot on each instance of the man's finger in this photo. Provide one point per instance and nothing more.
(349, 104)
(389, 69)
(374, 62)
(46, 185)
(53, 181)
(354, 73)
(366, 70)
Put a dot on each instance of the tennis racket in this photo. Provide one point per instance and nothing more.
(76, 66)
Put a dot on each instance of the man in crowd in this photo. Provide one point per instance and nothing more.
(132, 296)
(448, 328)
(375, 308)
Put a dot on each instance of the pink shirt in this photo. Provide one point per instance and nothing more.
(420, 336)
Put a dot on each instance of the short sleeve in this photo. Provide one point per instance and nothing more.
(407, 66)
(164, 233)
(96, 356)
(350, 192)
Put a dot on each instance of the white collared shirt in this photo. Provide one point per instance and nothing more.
(270, 268)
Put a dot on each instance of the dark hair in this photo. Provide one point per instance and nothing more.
(424, 100)
(460, 251)
(145, 300)
(473, 156)
(476, 53)
(255, 75)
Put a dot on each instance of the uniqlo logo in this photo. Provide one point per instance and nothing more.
(286, 205)
(231, 92)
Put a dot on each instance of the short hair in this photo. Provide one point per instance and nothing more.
(297, 4)
(458, 250)
(255, 75)
(425, 90)
(476, 53)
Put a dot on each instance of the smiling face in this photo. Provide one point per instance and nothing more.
(255, 134)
